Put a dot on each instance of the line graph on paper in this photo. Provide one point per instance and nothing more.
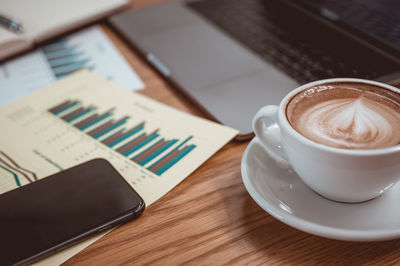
(13, 174)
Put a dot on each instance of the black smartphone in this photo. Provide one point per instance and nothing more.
(59, 210)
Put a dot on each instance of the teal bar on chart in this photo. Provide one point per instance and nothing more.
(141, 144)
(177, 147)
(79, 115)
(66, 108)
(127, 135)
(157, 152)
(152, 148)
(175, 159)
(71, 67)
(113, 135)
(95, 121)
(64, 51)
(117, 124)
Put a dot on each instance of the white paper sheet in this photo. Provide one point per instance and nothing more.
(89, 48)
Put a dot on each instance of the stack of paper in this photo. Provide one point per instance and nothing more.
(84, 116)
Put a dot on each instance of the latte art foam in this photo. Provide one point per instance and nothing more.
(347, 116)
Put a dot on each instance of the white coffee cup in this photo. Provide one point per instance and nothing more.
(344, 175)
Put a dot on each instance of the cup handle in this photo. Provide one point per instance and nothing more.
(266, 128)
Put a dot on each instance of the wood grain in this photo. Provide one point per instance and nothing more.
(210, 219)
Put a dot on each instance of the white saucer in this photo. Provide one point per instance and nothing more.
(278, 190)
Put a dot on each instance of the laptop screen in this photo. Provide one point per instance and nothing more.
(378, 20)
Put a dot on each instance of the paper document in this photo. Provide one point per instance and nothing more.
(44, 19)
(84, 116)
(89, 48)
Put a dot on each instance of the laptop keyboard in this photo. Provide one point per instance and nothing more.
(381, 18)
(294, 44)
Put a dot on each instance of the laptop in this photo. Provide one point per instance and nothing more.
(231, 57)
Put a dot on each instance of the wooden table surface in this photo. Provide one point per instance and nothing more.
(210, 219)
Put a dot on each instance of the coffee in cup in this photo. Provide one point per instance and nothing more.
(341, 136)
(347, 115)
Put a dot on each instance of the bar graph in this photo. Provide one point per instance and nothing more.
(148, 148)
(64, 58)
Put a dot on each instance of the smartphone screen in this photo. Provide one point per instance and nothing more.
(44, 216)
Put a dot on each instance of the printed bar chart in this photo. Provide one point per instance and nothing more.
(152, 152)
(171, 158)
(77, 113)
(148, 149)
(65, 58)
(121, 136)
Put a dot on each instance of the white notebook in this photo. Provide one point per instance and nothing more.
(43, 19)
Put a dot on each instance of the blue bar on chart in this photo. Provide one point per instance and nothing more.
(94, 119)
(137, 143)
(156, 149)
(64, 106)
(171, 158)
(77, 113)
(107, 127)
(64, 58)
(121, 136)
(133, 142)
